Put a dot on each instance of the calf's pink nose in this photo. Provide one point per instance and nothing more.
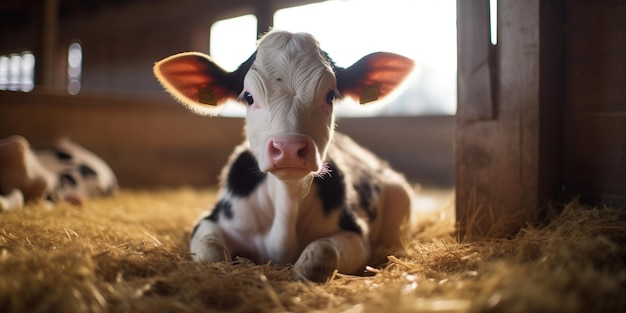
(290, 151)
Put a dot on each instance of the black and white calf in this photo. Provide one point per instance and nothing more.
(296, 192)
(64, 172)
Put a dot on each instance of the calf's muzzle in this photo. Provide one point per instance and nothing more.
(291, 152)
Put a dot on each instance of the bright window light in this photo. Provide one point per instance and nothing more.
(493, 21)
(4, 72)
(233, 40)
(74, 68)
(27, 71)
(17, 72)
(424, 30)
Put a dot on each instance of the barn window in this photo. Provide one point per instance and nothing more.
(423, 30)
(4, 72)
(74, 68)
(17, 71)
(233, 40)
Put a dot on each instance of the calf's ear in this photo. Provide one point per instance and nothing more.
(195, 80)
(374, 76)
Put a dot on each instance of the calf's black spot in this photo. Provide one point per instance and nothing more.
(365, 191)
(67, 180)
(62, 155)
(222, 208)
(347, 221)
(195, 229)
(331, 188)
(86, 171)
(244, 175)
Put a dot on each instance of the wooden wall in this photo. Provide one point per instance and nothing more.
(153, 141)
(594, 163)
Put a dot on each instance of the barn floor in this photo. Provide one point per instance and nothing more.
(129, 254)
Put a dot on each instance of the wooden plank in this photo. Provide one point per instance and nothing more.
(50, 38)
(551, 71)
(594, 164)
(477, 67)
(596, 57)
(489, 178)
(502, 163)
(421, 147)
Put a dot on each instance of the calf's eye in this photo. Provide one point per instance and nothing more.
(330, 97)
(248, 97)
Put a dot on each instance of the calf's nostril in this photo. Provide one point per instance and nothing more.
(276, 150)
(303, 151)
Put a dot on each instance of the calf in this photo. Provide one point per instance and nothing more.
(296, 192)
(65, 171)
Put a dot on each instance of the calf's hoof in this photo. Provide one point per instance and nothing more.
(317, 262)
(209, 249)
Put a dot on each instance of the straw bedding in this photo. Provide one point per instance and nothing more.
(129, 254)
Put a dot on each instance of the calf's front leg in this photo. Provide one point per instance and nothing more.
(207, 243)
(345, 251)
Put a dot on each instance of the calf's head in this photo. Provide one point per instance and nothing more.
(289, 86)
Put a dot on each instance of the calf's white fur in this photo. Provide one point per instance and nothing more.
(296, 192)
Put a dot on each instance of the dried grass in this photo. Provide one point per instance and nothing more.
(129, 254)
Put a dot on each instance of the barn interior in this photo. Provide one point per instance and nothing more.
(525, 178)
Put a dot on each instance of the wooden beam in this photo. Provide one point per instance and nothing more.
(47, 45)
(265, 16)
(477, 66)
(504, 165)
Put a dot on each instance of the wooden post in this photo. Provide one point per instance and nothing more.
(46, 45)
(505, 158)
(477, 67)
(265, 16)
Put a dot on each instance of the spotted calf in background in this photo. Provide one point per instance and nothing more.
(296, 192)
(63, 172)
